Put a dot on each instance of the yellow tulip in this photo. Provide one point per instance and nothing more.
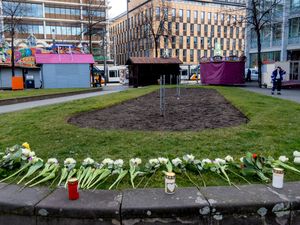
(26, 145)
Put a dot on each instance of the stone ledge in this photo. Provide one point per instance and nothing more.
(90, 205)
(11, 101)
(252, 205)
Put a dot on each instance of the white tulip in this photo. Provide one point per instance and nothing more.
(283, 158)
(69, 161)
(88, 161)
(32, 154)
(135, 161)
(163, 160)
(119, 163)
(26, 152)
(296, 154)
(220, 161)
(297, 160)
(176, 162)
(189, 158)
(229, 158)
(107, 161)
(35, 160)
(206, 161)
(6, 156)
(52, 161)
(153, 162)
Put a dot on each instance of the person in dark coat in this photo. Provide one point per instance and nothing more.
(248, 78)
(277, 77)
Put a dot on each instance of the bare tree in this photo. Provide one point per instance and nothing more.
(259, 14)
(13, 12)
(94, 18)
(155, 21)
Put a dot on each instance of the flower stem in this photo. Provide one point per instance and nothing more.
(236, 174)
(204, 184)
(186, 174)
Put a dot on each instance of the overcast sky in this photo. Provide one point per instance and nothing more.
(117, 7)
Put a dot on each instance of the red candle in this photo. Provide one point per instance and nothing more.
(73, 189)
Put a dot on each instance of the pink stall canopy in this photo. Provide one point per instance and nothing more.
(64, 59)
(222, 73)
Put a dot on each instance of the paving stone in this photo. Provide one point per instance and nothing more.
(253, 204)
(73, 221)
(14, 201)
(91, 205)
(153, 206)
(12, 219)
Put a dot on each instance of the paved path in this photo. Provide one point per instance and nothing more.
(33, 104)
(288, 94)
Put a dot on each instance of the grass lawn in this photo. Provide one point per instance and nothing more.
(36, 92)
(274, 129)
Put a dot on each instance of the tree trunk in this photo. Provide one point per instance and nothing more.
(92, 66)
(156, 47)
(259, 58)
(12, 54)
(90, 43)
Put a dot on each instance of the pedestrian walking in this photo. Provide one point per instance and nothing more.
(277, 77)
(248, 78)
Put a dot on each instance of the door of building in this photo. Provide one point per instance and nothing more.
(295, 71)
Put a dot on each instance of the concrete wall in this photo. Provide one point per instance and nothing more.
(5, 77)
(66, 75)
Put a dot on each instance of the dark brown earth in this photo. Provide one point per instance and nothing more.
(197, 109)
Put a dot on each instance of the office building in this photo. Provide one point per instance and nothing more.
(62, 21)
(195, 29)
(280, 39)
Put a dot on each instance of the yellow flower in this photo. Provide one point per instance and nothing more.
(26, 145)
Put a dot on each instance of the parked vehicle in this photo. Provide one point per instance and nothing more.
(254, 74)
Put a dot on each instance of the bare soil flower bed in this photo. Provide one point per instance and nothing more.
(197, 109)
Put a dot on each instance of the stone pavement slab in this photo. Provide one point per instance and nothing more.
(153, 206)
(91, 206)
(287, 94)
(252, 204)
(39, 103)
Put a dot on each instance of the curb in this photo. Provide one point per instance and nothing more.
(12, 101)
(251, 205)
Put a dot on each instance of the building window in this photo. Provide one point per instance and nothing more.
(195, 16)
(192, 29)
(173, 14)
(192, 55)
(195, 42)
(188, 16)
(181, 15)
(294, 27)
(209, 17)
(202, 17)
(295, 4)
(157, 13)
(216, 18)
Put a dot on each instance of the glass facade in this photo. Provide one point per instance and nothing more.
(267, 57)
(294, 27)
(25, 9)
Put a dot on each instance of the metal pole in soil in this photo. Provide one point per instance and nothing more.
(178, 87)
(164, 95)
(161, 96)
(197, 74)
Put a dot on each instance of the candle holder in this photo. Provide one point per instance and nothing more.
(278, 177)
(73, 189)
(170, 184)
